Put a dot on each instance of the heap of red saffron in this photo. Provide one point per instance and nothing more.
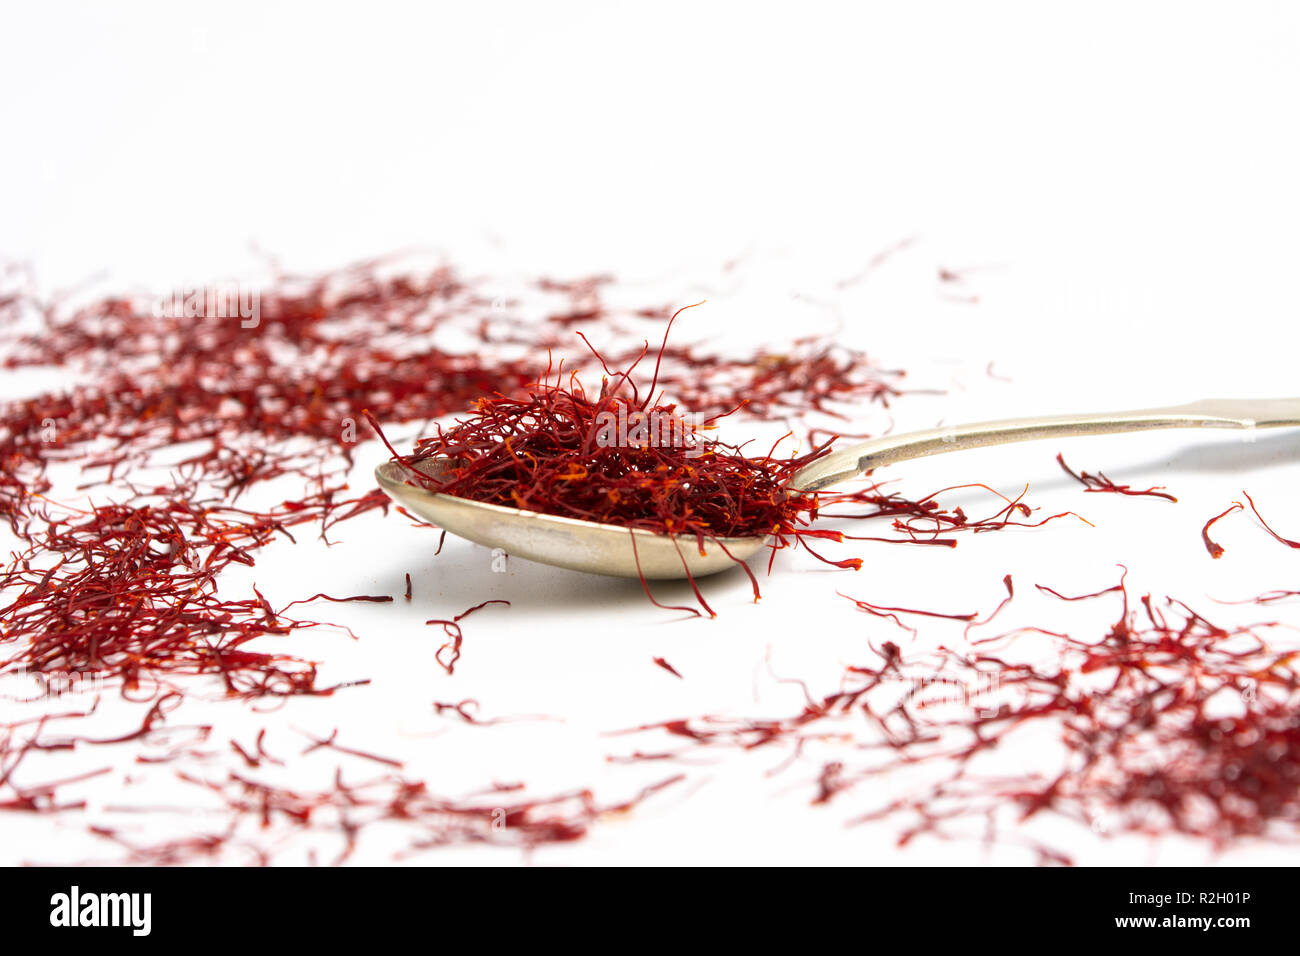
(624, 457)
(620, 458)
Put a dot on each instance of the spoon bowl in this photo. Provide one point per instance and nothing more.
(564, 542)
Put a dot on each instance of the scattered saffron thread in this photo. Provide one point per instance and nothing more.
(1212, 546)
(668, 667)
(1099, 482)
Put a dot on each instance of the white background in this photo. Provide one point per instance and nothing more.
(1123, 175)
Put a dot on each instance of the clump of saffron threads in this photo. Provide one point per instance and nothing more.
(134, 583)
(623, 458)
(620, 459)
(1212, 546)
(1099, 482)
(131, 591)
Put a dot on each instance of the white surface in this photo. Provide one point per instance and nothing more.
(1124, 174)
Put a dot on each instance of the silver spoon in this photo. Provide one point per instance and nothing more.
(608, 549)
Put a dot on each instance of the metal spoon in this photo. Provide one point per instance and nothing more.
(608, 549)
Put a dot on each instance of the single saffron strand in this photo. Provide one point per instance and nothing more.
(1212, 546)
(668, 667)
(1099, 482)
(876, 609)
(319, 742)
(1286, 541)
(368, 598)
(456, 636)
(452, 647)
(478, 607)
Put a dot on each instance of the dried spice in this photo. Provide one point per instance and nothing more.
(1168, 721)
(668, 667)
(340, 815)
(891, 613)
(182, 421)
(1099, 482)
(448, 654)
(620, 461)
(131, 591)
(1277, 537)
(1216, 550)
(622, 458)
(1212, 546)
(129, 585)
(279, 397)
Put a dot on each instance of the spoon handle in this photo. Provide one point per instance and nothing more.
(1210, 413)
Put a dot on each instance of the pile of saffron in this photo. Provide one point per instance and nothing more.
(624, 458)
(557, 451)
(544, 452)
